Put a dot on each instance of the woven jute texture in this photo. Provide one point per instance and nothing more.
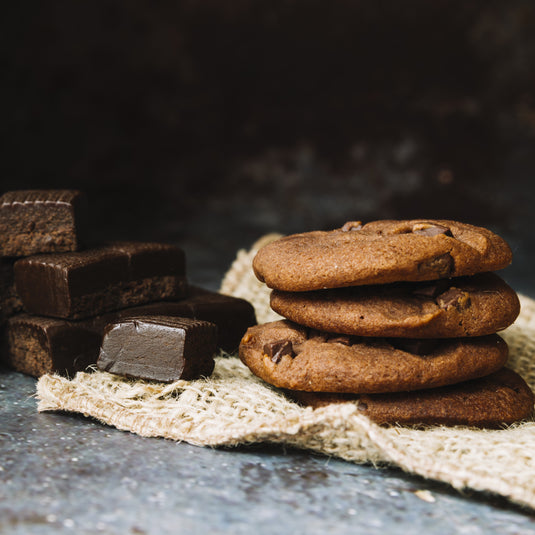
(233, 407)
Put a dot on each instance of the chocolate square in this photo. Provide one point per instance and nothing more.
(159, 348)
(87, 283)
(42, 221)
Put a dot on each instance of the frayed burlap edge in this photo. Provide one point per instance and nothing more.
(233, 407)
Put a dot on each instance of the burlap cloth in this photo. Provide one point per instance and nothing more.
(233, 407)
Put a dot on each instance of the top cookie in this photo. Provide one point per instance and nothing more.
(379, 252)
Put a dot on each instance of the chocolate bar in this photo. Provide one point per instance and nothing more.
(160, 348)
(232, 315)
(88, 283)
(41, 221)
(36, 345)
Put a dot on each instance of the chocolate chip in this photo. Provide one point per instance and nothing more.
(352, 225)
(441, 266)
(453, 297)
(426, 229)
(414, 346)
(362, 406)
(276, 350)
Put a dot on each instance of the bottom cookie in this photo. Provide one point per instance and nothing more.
(499, 399)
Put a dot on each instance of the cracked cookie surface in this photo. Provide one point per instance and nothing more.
(379, 252)
(465, 306)
(291, 356)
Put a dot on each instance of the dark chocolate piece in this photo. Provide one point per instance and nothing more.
(35, 345)
(232, 315)
(453, 297)
(276, 350)
(440, 267)
(159, 348)
(88, 283)
(41, 221)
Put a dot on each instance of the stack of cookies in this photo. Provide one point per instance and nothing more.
(399, 316)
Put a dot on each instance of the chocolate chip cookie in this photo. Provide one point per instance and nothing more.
(291, 356)
(492, 401)
(379, 252)
(447, 308)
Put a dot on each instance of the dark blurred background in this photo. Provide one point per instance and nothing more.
(209, 124)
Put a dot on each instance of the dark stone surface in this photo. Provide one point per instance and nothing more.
(67, 474)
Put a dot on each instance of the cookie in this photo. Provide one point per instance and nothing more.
(492, 401)
(466, 306)
(291, 356)
(379, 252)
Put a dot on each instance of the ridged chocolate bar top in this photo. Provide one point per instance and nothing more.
(49, 196)
(161, 321)
(119, 261)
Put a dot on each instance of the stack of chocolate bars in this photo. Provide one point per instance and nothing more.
(399, 316)
(62, 305)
